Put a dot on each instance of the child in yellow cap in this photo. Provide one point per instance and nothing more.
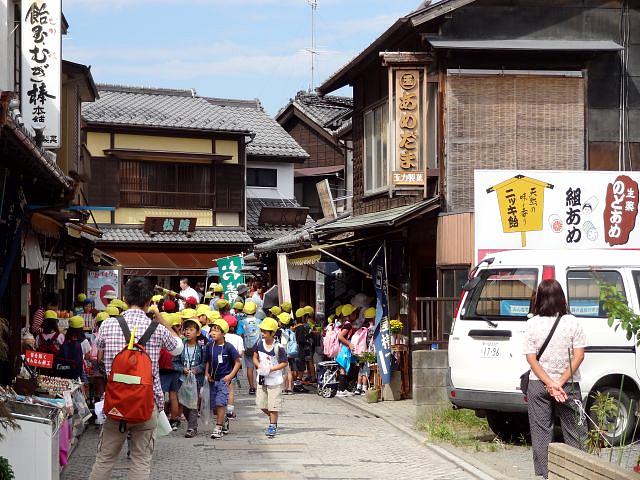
(365, 368)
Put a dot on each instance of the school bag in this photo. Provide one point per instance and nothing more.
(251, 334)
(359, 340)
(331, 345)
(69, 362)
(165, 362)
(129, 394)
(293, 349)
(50, 345)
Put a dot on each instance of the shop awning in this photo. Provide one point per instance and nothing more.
(525, 44)
(385, 218)
(45, 225)
(317, 171)
(307, 259)
(151, 263)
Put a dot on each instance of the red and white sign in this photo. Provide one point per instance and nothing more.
(101, 283)
(39, 359)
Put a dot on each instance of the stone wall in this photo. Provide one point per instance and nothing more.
(568, 463)
(429, 378)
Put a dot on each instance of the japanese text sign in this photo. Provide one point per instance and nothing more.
(408, 138)
(169, 225)
(382, 330)
(39, 359)
(102, 286)
(230, 275)
(41, 68)
(556, 210)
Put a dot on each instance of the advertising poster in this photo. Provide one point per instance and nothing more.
(101, 282)
(555, 210)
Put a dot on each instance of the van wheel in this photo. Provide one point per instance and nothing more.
(618, 428)
(510, 427)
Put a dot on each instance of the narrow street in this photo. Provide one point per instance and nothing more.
(317, 438)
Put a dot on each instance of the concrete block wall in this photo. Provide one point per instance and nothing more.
(429, 378)
(568, 463)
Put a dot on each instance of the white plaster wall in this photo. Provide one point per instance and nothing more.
(5, 40)
(285, 181)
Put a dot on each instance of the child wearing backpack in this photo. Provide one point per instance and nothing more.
(191, 360)
(69, 362)
(284, 320)
(270, 359)
(363, 342)
(222, 363)
(50, 339)
(251, 337)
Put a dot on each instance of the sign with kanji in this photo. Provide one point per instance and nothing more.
(39, 359)
(382, 330)
(555, 209)
(409, 168)
(169, 224)
(41, 51)
(102, 286)
(229, 269)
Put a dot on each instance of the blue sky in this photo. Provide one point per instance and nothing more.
(223, 48)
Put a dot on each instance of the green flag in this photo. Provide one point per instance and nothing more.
(230, 276)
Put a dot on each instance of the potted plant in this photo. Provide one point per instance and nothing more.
(396, 328)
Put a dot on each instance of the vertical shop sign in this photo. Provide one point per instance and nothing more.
(230, 275)
(41, 25)
(382, 331)
(408, 137)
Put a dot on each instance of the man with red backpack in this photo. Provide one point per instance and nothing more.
(129, 345)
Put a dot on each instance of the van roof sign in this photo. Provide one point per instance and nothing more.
(555, 210)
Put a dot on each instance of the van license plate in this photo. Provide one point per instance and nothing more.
(490, 350)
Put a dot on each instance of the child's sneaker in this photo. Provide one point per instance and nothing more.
(217, 432)
(358, 392)
(191, 433)
(252, 391)
(175, 425)
(231, 415)
(272, 430)
(225, 426)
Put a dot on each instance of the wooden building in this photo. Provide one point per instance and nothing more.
(492, 84)
(321, 125)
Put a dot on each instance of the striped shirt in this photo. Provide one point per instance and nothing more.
(111, 340)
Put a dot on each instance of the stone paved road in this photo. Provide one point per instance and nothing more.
(318, 439)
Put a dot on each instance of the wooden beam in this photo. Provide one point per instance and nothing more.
(161, 155)
(405, 58)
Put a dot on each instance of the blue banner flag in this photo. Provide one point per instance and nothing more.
(382, 332)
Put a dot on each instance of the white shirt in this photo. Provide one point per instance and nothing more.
(568, 335)
(186, 293)
(236, 341)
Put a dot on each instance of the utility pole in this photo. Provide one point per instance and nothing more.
(313, 51)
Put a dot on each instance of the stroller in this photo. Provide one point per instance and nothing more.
(328, 378)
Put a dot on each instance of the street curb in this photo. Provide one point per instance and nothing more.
(447, 455)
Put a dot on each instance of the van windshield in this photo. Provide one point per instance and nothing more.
(502, 294)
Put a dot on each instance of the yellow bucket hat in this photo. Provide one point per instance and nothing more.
(82, 297)
(269, 324)
(275, 310)
(202, 309)
(188, 313)
(370, 313)
(348, 309)
(331, 318)
(76, 322)
(101, 316)
(338, 310)
(156, 298)
(284, 318)
(175, 319)
(221, 303)
(309, 310)
(50, 314)
(195, 322)
(238, 306)
(218, 288)
(112, 311)
(286, 307)
(300, 313)
(250, 308)
(224, 326)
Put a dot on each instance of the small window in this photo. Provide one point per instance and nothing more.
(376, 173)
(583, 291)
(262, 177)
(502, 294)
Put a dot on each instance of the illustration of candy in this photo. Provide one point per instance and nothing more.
(556, 223)
(590, 230)
(590, 205)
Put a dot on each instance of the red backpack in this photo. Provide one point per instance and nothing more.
(129, 394)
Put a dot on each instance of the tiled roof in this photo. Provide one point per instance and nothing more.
(131, 234)
(329, 112)
(158, 107)
(270, 140)
(260, 233)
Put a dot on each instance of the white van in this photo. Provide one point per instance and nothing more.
(486, 342)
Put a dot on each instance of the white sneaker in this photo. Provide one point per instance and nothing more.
(341, 393)
(347, 393)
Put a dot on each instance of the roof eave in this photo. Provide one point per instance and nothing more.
(90, 124)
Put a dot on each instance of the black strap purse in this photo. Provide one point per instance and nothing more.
(524, 378)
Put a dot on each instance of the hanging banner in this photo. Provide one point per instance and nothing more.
(230, 276)
(41, 48)
(102, 286)
(556, 210)
(408, 169)
(382, 331)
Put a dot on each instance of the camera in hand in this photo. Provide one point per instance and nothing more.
(261, 379)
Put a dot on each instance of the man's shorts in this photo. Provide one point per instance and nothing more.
(296, 364)
(248, 361)
(218, 394)
(170, 381)
(269, 397)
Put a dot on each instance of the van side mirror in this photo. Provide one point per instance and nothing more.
(471, 284)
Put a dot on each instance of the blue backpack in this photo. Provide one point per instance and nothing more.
(69, 362)
(252, 334)
(292, 343)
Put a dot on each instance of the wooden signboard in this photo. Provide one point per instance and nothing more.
(169, 224)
